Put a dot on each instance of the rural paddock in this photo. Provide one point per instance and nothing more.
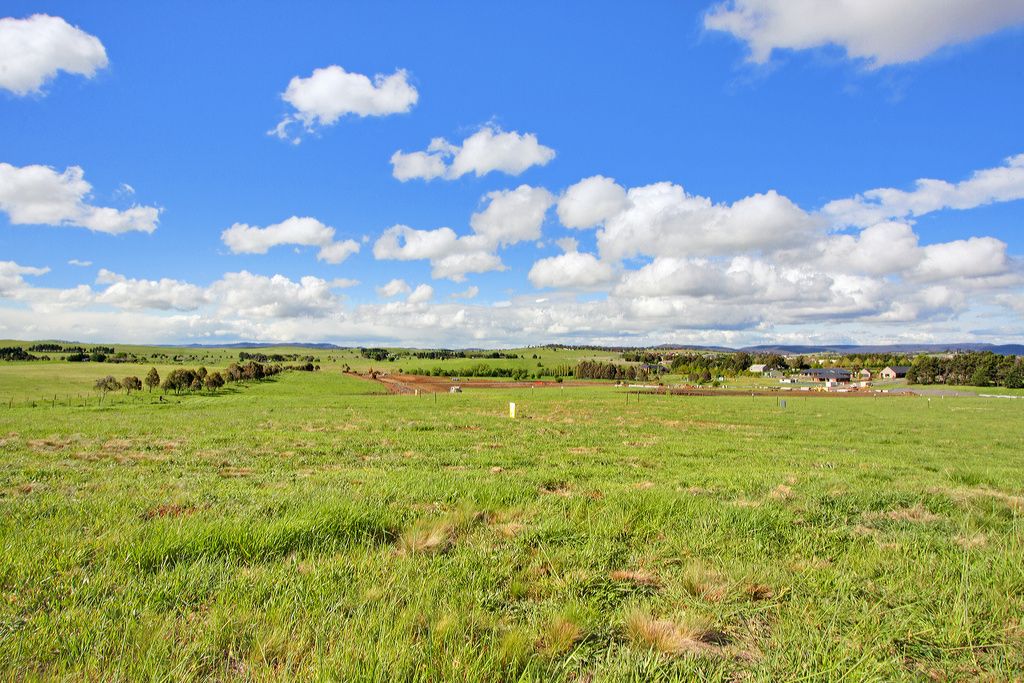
(306, 528)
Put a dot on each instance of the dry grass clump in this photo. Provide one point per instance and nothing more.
(969, 542)
(511, 529)
(426, 538)
(759, 591)
(560, 634)
(781, 492)
(639, 577)
(689, 635)
(432, 536)
(704, 583)
(917, 513)
(644, 485)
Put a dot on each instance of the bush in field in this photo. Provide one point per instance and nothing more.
(131, 383)
(152, 379)
(105, 384)
(213, 381)
(178, 380)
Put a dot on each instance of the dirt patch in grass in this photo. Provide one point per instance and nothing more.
(782, 492)
(584, 450)
(644, 485)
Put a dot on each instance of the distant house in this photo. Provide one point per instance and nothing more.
(826, 375)
(656, 369)
(864, 374)
(894, 372)
(757, 368)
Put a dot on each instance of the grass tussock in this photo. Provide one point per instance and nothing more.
(638, 577)
(428, 537)
(704, 583)
(688, 635)
(559, 635)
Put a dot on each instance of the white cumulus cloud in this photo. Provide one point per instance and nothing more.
(332, 92)
(882, 32)
(394, 288)
(33, 50)
(986, 186)
(422, 294)
(510, 217)
(571, 270)
(487, 150)
(591, 202)
(241, 238)
(662, 219)
(39, 195)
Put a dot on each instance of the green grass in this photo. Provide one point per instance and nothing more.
(306, 528)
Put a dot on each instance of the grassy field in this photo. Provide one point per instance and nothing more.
(309, 527)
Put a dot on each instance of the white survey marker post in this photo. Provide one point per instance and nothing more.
(512, 410)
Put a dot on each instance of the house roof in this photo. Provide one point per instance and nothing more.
(899, 369)
(826, 372)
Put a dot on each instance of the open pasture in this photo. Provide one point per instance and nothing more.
(310, 527)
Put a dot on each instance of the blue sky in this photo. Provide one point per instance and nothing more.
(728, 130)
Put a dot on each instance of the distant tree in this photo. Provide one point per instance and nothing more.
(152, 379)
(97, 357)
(1015, 377)
(105, 384)
(201, 373)
(196, 384)
(131, 383)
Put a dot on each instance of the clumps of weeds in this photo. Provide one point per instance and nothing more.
(704, 583)
(674, 637)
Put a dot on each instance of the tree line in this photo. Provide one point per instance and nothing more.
(976, 368)
(181, 380)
